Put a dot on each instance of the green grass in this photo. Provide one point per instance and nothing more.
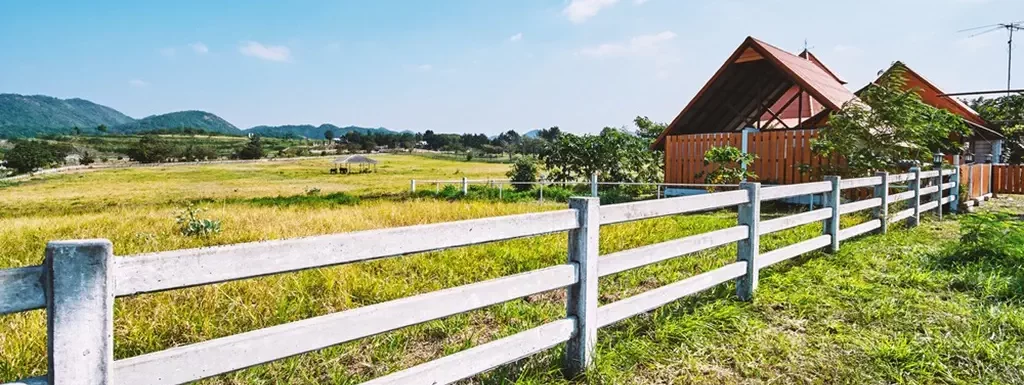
(882, 310)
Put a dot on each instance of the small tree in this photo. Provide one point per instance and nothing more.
(888, 126)
(252, 150)
(102, 128)
(329, 135)
(523, 170)
(730, 166)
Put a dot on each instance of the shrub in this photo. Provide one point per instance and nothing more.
(31, 155)
(992, 236)
(152, 149)
(523, 170)
(728, 164)
(87, 159)
(190, 225)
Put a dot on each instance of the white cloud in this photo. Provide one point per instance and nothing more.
(579, 11)
(643, 44)
(199, 48)
(516, 37)
(277, 53)
(138, 83)
(422, 68)
(168, 52)
(639, 2)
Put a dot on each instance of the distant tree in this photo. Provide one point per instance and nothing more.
(76, 131)
(329, 135)
(522, 171)
(550, 134)
(1005, 113)
(31, 155)
(101, 128)
(647, 129)
(87, 159)
(617, 155)
(252, 149)
(152, 149)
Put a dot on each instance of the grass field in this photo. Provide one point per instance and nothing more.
(881, 311)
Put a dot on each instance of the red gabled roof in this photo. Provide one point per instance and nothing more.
(814, 59)
(935, 97)
(756, 73)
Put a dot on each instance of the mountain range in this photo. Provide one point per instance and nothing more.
(35, 115)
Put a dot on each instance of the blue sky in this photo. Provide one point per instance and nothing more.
(466, 65)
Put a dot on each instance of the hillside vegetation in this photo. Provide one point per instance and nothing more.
(24, 115)
(179, 121)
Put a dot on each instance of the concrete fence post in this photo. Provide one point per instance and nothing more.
(832, 201)
(412, 186)
(937, 196)
(581, 303)
(882, 211)
(915, 185)
(465, 186)
(747, 250)
(593, 184)
(79, 284)
(954, 202)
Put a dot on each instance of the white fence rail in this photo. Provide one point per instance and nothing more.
(80, 280)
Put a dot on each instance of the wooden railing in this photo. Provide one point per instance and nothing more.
(80, 280)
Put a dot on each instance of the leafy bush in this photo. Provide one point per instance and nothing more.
(524, 170)
(728, 164)
(191, 225)
(87, 159)
(992, 236)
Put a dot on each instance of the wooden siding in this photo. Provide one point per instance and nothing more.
(1007, 179)
(783, 156)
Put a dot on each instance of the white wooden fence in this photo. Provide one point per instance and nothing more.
(79, 281)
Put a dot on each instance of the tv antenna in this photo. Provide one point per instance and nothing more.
(1010, 28)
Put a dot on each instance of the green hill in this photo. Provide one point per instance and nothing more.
(180, 120)
(312, 132)
(31, 115)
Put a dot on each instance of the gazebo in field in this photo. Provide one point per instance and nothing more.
(345, 164)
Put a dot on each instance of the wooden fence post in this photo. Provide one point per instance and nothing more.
(581, 303)
(832, 201)
(970, 181)
(882, 192)
(747, 249)
(593, 184)
(915, 184)
(79, 284)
